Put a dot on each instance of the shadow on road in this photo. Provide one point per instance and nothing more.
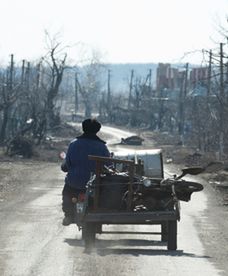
(146, 252)
(74, 242)
(104, 247)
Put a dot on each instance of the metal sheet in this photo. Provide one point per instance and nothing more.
(152, 158)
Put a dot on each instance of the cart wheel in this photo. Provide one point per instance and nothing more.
(164, 231)
(172, 235)
(89, 234)
(98, 228)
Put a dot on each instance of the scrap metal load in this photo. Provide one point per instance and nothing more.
(147, 193)
(131, 189)
(151, 158)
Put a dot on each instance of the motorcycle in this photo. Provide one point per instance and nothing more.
(164, 195)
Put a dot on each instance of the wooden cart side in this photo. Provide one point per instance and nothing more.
(99, 166)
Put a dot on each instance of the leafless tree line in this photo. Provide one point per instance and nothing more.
(28, 93)
(196, 113)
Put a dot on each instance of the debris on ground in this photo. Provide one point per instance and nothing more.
(132, 140)
(20, 146)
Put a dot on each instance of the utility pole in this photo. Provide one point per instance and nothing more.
(109, 90)
(221, 72)
(222, 102)
(183, 93)
(109, 104)
(76, 94)
(207, 132)
(186, 80)
(38, 75)
(23, 73)
(149, 79)
(27, 76)
(180, 125)
(130, 89)
(10, 81)
(209, 75)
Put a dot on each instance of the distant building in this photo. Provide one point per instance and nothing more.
(172, 80)
(199, 76)
(167, 77)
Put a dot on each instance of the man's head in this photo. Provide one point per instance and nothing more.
(91, 126)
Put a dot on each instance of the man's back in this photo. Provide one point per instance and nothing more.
(78, 164)
(79, 167)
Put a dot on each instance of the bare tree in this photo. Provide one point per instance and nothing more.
(9, 93)
(56, 64)
(89, 85)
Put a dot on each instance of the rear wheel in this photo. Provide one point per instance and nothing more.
(89, 234)
(172, 235)
(164, 231)
(98, 228)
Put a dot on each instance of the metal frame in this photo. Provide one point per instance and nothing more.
(131, 217)
(95, 217)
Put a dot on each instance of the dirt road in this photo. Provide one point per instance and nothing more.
(33, 241)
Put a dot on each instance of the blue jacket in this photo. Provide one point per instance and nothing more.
(78, 165)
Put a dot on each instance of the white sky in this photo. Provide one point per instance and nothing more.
(123, 30)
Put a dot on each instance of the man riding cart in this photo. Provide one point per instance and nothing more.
(79, 167)
(132, 191)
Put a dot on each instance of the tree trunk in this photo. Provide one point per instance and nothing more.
(4, 124)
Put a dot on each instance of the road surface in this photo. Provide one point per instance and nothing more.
(34, 242)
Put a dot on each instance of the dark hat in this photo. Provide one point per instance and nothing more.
(91, 126)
